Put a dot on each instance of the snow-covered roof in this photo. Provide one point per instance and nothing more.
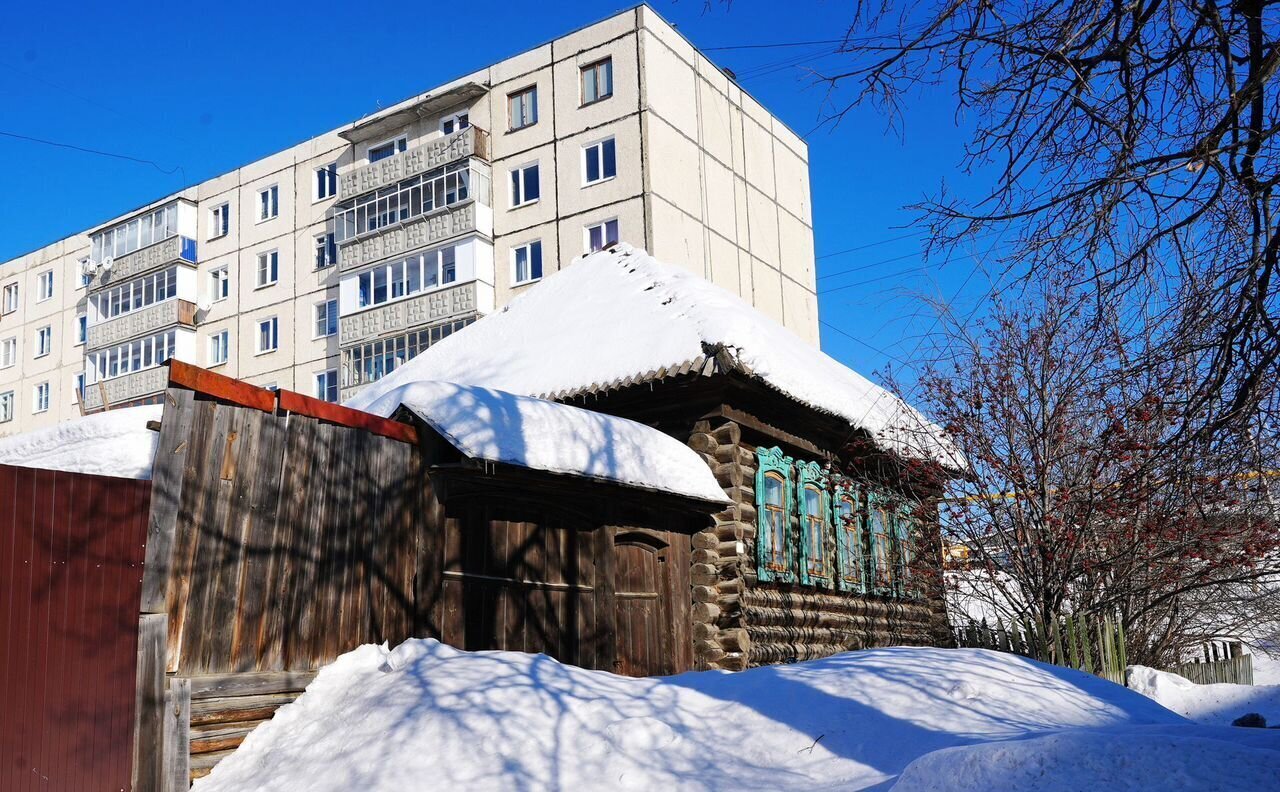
(112, 443)
(619, 316)
(533, 433)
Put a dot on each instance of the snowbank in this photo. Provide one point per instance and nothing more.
(426, 715)
(620, 315)
(534, 433)
(112, 443)
(1215, 704)
(1115, 760)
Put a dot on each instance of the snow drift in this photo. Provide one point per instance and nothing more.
(1215, 704)
(424, 713)
(112, 443)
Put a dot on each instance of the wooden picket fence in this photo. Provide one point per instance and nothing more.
(1224, 662)
(1095, 647)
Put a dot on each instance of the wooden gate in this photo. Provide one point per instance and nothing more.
(71, 551)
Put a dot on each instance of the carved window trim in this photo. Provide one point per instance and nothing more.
(850, 541)
(809, 475)
(881, 579)
(773, 464)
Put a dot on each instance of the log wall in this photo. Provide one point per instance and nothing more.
(740, 622)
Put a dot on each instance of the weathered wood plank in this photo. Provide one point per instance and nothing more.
(207, 686)
(148, 721)
(177, 740)
(234, 709)
(168, 471)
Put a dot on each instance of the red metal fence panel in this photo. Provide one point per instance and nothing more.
(71, 550)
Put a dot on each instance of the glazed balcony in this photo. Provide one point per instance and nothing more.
(149, 320)
(129, 388)
(470, 142)
(174, 250)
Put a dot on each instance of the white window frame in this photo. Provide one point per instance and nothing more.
(326, 250)
(268, 209)
(527, 247)
(9, 352)
(595, 150)
(268, 266)
(40, 398)
(44, 341)
(461, 120)
(44, 286)
(219, 283)
(330, 310)
(324, 185)
(274, 322)
(82, 329)
(532, 115)
(603, 225)
(220, 220)
(10, 298)
(398, 145)
(523, 170)
(6, 406)
(319, 390)
(219, 342)
(582, 81)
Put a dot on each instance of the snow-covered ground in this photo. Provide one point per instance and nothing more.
(425, 715)
(1212, 704)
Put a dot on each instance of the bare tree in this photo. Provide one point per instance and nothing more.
(1132, 143)
(1083, 495)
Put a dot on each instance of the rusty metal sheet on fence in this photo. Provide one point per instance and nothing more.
(71, 551)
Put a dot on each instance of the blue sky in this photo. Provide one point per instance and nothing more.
(201, 89)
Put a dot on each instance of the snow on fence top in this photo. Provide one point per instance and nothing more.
(112, 443)
(534, 433)
(620, 315)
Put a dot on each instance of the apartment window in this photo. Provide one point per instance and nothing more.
(599, 162)
(219, 283)
(136, 294)
(268, 335)
(410, 198)
(526, 261)
(8, 352)
(326, 251)
(522, 108)
(524, 185)
(219, 346)
(327, 385)
(376, 359)
(597, 81)
(44, 341)
(78, 387)
(154, 226)
(44, 286)
(10, 298)
(219, 220)
(86, 275)
(602, 235)
(269, 203)
(40, 398)
(268, 268)
(82, 329)
(136, 355)
(326, 315)
(386, 149)
(326, 185)
(403, 277)
(6, 407)
(455, 123)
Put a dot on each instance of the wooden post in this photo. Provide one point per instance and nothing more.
(176, 775)
(148, 716)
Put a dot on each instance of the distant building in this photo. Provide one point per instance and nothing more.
(325, 266)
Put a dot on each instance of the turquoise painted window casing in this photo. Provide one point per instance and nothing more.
(850, 540)
(813, 514)
(774, 561)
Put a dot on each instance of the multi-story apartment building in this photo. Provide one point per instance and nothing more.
(324, 266)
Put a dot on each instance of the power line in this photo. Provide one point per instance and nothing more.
(97, 152)
(869, 245)
(878, 278)
(774, 45)
(857, 340)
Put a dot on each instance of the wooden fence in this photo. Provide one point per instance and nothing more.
(1096, 647)
(71, 553)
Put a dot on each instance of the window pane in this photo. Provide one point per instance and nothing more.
(379, 285)
(535, 260)
(773, 490)
(531, 188)
(593, 164)
(610, 166)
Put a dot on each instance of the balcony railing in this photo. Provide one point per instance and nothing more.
(175, 249)
(424, 309)
(149, 320)
(470, 142)
(429, 230)
(128, 388)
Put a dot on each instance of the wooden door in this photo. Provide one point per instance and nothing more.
(643, 635)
